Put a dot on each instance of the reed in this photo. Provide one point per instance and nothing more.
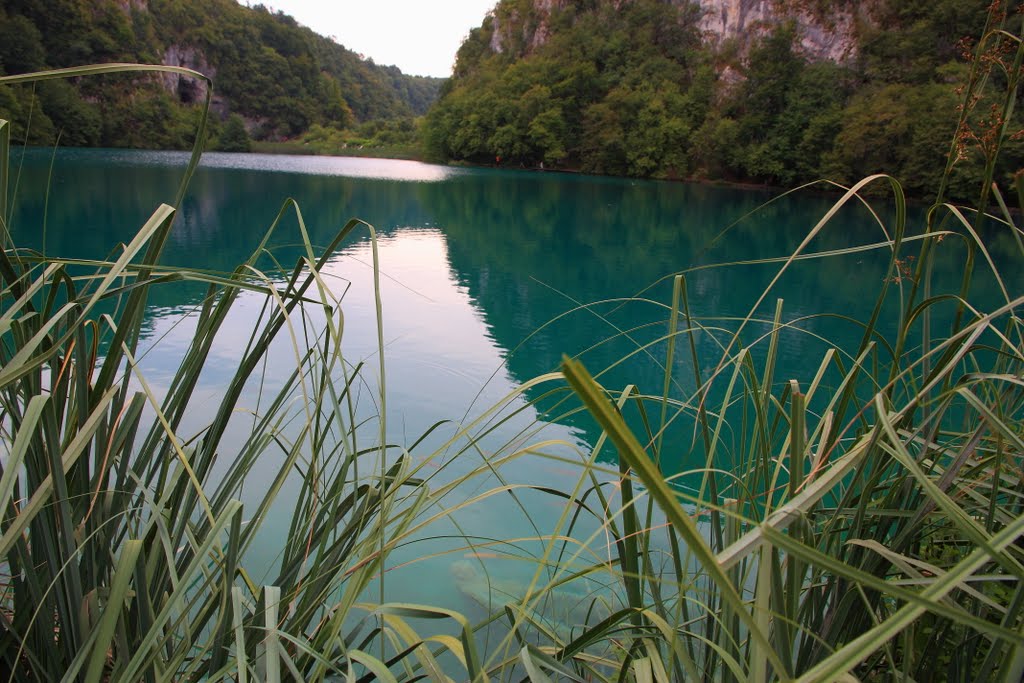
(864, 524)
(123, 538)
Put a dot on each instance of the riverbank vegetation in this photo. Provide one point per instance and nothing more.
(273, 75)
(864, 524)
(636, 89)
(392, 139)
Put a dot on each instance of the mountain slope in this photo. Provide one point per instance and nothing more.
(751, 90)
(280, 77)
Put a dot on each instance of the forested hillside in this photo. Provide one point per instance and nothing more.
(644, 88)
(272, 77)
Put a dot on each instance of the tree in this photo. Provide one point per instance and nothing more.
(233, 137)
(21, 45)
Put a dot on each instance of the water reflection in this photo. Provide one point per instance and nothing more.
(522, 252)
(349, 167)
(483, 274)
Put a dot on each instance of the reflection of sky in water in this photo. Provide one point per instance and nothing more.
(472, 263)
(441, 364)
(351, 167)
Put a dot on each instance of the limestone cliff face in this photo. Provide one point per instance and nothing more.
(129, 5)
(524, 34)
(821, 35)
(829, 36)
(186, 88)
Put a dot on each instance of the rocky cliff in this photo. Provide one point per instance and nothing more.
(822, 33)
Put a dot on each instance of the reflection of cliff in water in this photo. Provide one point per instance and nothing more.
(527, 248)
(91, 205)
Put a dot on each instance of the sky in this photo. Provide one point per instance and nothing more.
(420, 37)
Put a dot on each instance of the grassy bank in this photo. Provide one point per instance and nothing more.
(863, 525)
(299, 147)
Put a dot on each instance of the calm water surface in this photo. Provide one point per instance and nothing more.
(485, 273)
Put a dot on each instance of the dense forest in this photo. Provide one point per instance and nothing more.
(273, 78)
(637, 88)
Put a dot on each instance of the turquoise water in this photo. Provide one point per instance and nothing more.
(488, 278)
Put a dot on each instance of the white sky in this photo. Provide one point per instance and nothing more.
(420, 37)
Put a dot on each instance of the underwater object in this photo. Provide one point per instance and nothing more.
(561, 608)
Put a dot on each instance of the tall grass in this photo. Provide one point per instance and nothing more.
(123, 537)
(862, 524)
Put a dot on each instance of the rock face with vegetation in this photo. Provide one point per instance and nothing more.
(823, 30)
(279, 77)
(751, 90)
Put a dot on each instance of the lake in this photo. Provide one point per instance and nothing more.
(488, 276)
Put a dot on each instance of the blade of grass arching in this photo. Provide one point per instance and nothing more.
(16, 454)
(533, 670)
(978, 243)
(119, 68)
(631, 450)
(540, 658)
(210, 320)
(26, 361)
(206, 451)
(374, 665)
(171, 437)
(795, 255)
(22, 305)
(469, 651)
(416, 646)
(258, 349)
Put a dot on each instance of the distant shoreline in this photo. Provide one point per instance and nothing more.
(295, 148)
(406, 154)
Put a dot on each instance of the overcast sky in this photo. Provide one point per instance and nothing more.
(420, 37)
